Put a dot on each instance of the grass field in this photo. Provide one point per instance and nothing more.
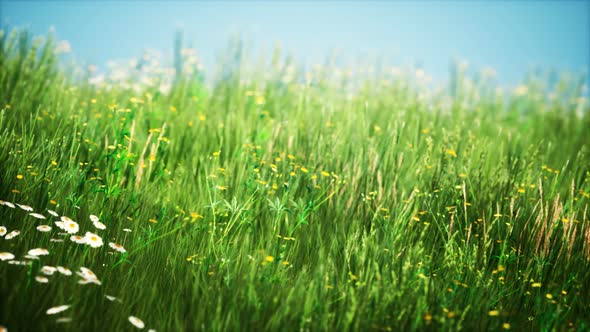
(275, 199)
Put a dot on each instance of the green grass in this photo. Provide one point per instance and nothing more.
(321, 203)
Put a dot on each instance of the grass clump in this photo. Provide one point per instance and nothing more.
(278, 198)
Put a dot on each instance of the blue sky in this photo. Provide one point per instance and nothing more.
(510, 36)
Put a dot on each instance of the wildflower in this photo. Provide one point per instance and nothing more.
(70, 226)
(87, 277)
(53, 213)
(3, 230)
(64, 270)
(64, 320)
(31, 257)
(93, 218)
(43, 228)
(12, 235)
(78, 239)
(494, 313)
(10, 205)
(136, 322)
(93, 240)
(452, 152)
(117, 247)
(19, 262)
(126, 230)
(536, 285)
(57, 310)
(112, 298)
(41, 279)
(6, 256)
(48, 270)
(506, 326)
(37, 215)
(99, 225)
(25, 207)
(56, 240)
(38, 252)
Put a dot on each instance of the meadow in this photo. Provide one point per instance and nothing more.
(282, 198)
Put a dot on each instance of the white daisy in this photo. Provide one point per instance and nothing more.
(64, 270)
(57, 310)
(10, 205)
(93, 218)
(53, 213)
(71, 226)
(41, 279)
(6, 256)
(136, 322)
(151, 330)
(64, 320)
(117, 247)
(3, 230)
(32, 257)
(78, 239)
(126, 230)
(18, 262)
(37, 215)
(112, 298)
(44, 228)
(64, 218)
(87, 277)
(93, 240)
(56, 240)
(38, 252)
(48, 270)
(89, 281)
(99, 225)
(86, 273)
(25, 207)
(12, 235)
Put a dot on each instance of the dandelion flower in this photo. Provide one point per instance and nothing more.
(44, 228)
(10, 205)
(25, 207)
(93, 240)
(57, 310)
(38, 252)
(6, 256)
(64, 270)
(53, 213)
(48, 270)
(93, 218)
(41, 279)
(494, 313)
(99, 225)
(12, 235)
(3, 230)
(37, 215)
(136, 322)
(117, 247)
(78, 239)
